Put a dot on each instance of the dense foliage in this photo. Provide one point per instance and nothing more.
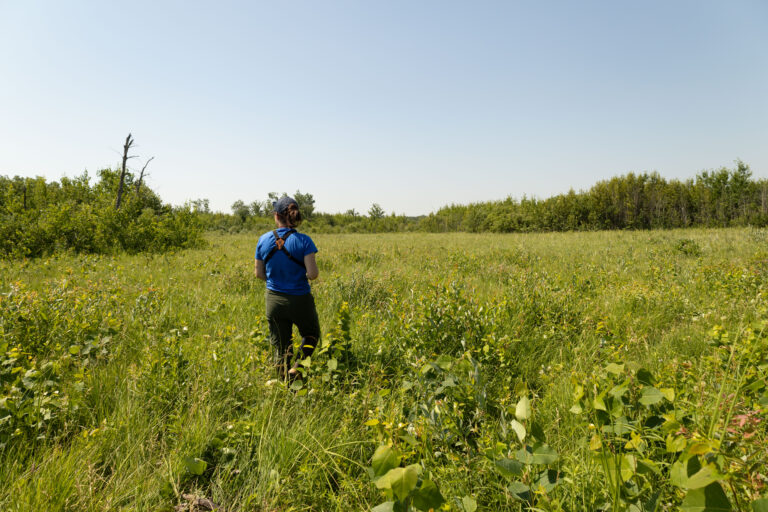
(725, 197)
(608, 371)
(39, 217)
(719, 198)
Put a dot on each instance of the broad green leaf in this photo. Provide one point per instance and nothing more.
(650, 396)
(449, 382)
(647, 466)
(705, 476)
(619, 427)
(668, 393)
(520, 491)
(700, 448)
(332, 364)
(401, 480)
(681, 468)
(615, 369)
(690, 474)
(620, 390)
(408, 482)
(523, 409)
(469, 504)
(645, 377)
(760, 505)
(635, 442)
(670, 424)
(628, 461)
(547, 480)
(74, 349)
(384, 482)
(543, 454)
(616, 406)
(384, 459)
(525, 454)
(539, 453)
(194, 465)
(598, 404)
(676, 443)
(578, 393)
(624, 467)
(371, 423)
(509, 467)
(519, 429)
(387, 506)
(708, 499)
(427, 496)
(595, 443)
(30, 378)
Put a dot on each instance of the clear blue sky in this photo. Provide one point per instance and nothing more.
(410, 104)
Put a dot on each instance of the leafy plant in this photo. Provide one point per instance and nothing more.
(404, 488)
(529, 468)
(688, 247)
(331, 360)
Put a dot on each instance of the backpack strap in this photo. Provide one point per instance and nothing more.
(280, 246)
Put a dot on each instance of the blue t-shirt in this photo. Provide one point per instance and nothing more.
(283, 275)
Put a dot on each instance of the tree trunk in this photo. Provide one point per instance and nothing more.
(126, 147)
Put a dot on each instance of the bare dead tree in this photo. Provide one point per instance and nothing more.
(141, 176)
(126, 147)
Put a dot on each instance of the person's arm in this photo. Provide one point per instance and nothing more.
(261, 270)
(311, 264)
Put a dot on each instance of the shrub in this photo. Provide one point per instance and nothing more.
(40, 218)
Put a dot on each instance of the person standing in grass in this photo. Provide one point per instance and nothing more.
(285, 259)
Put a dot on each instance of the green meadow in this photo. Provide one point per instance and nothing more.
(621, 371)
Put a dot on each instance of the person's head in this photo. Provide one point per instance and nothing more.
(286, 211)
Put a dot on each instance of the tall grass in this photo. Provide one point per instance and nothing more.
(181, 398)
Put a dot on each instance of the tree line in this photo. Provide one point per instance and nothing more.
(38, 218)
(715, 198)
(120, 213)
(257, 216)
(719, 198)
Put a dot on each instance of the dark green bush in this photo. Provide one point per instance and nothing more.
(39, 218)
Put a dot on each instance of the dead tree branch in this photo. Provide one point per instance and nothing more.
(141, 176)
(126, 147)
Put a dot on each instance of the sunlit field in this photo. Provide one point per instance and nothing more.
(565, 371)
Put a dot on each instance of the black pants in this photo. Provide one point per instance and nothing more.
(283, 311)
